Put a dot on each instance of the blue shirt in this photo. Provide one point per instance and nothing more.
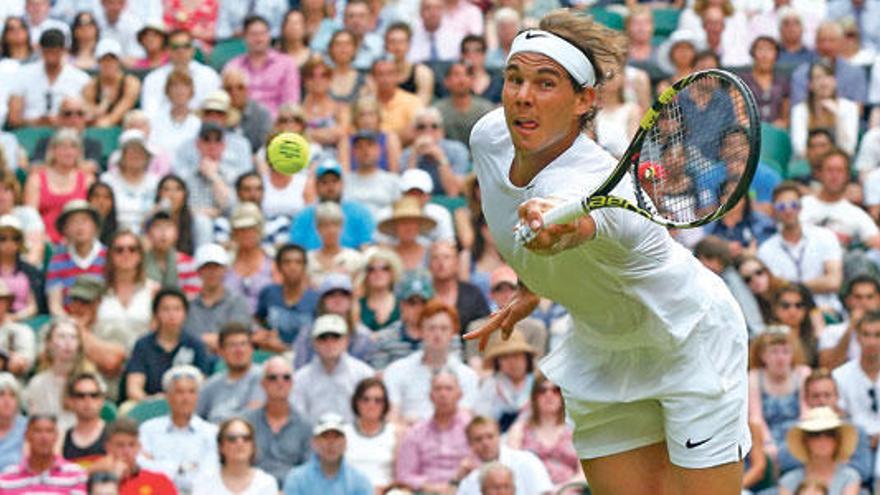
(308, 479)
(12, 443)
(149, 358)
(287, 320)
(756, 226)
(357, 227)
(763, 183)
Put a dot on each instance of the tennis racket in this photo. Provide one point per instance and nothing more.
(691, 160)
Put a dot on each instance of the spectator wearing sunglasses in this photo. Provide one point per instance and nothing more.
(446, 160)
(84, 441)
(281, 433)
(72, 115)
(838, 343)
(803, 253)
(857, 382)
(237, 474)
(182, 51)
(372, 439)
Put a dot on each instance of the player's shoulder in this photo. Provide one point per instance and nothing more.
(488, 129)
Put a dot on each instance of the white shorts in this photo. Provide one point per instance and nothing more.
(693, 397)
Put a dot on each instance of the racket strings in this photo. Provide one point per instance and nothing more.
(691, 159)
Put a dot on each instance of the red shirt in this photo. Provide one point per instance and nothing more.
(147, 483)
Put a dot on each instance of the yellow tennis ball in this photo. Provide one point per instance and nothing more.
(288, 153)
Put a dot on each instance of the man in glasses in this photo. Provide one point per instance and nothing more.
(803, 253)
(838, 342)
(84, 441)
(326, 384)
(281, 434)
(235, 390)
(180, 57)
(72, 115)
(446, 160)
(503, 284)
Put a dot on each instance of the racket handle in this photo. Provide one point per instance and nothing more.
(559, 215)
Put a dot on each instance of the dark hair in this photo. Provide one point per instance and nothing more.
(400, 26)
(108, 224)
(185, 241)
(169, 292)
(282, 41)
(232, 328)
(734, 129)
(806, 334)
(52, 38)
(454, 64)
(821, 131)
(537, 385)
(286, 248)
(870, 317)
(361, 389)
(241, 178)
(862, 278)
(221, 432)
(764, 38)
(478, 421)
(109, 268)
(101, 477)
(178, 32)
(337, 34)
(34, 417)
(708, 53)
(5, 49)
(70, 387)
(77, 22)
(254, 19)
(473, 38)
(122, 426)
(787, 186)
(835, 151)
(713, 247)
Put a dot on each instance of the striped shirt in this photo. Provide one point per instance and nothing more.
(62, 477)
(65, 266)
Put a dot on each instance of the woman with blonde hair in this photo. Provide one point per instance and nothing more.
(379, 306)
(776, 383)
(824, 444)
(61, 358)
(63, 179)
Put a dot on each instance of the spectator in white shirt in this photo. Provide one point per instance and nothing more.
(369, 185)
(858, 381)
(838, 342)
(181, 444)
(180, 57)
(118, 23)
(803, 253)
(530, 475)
(37, 16)
(829, 207)
(40, 87)
(434, 39)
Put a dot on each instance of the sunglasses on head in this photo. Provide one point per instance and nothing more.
(787, 206)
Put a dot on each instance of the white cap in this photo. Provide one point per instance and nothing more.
(211, 253)
(135, 136)
(108, 46)
(329, 324)
(416, 178)
(329, 422)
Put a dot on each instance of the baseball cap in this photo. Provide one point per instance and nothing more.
(246, 215)
(86, 288)
(52, 38)
(211, 253)
(334, 281)
(217, 101)
(134, 136)
(415, 284)
(328, 167)
(108, 46)
(209, 128)
(333, 324)
(10, 221)
(416, 178)
(329, 422)
(76, 206)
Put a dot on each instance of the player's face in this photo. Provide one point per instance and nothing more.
(541, 107)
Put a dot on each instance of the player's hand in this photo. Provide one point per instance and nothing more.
(551, 239)
(520, 307)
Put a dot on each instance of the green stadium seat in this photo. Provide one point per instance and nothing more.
(226, 50)
(109, 139)
(665, 21)
(610, 19)
(29, 137)
(108, 411)
(798, 169)
(775, 148)
(451, 203)
(148, 409)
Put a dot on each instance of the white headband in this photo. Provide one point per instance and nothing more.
(570, 57)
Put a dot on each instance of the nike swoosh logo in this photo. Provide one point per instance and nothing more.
(532, 34)
(692, 445)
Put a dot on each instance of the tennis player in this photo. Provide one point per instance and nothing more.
(654, 373)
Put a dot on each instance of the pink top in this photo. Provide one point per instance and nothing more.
(560, 459)
(20, 286)
(428, 454)
(51, 204)
(274, 83)
(62, 477)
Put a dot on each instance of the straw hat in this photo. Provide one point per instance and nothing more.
(516, 343)
(219, 101)
(407, 208)
(822, 419)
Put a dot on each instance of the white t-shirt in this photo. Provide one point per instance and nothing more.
(133, 201)
(804, 261)
(153, 98)
(376, 191)
(409, 384)
(853, 386)
(841, 217)
(832, 335)
(869, 151)
(630, 263)
(42, 98)
(288, 201)
(373, 456)
(168, 135)
(210, 483)
(529, 474)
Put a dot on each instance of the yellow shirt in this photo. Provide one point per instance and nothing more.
(399, 111)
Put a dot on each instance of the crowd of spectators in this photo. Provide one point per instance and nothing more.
(178, 317)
